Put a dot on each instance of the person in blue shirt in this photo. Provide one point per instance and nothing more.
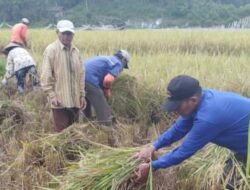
(206, 116)
(100, 73)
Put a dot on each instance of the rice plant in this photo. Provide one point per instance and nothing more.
(32, 157)
(102, 168)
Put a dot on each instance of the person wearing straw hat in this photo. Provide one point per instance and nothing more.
(19, 32)
(101, 72)
(19, 63)
(62, 77)
(206, 116)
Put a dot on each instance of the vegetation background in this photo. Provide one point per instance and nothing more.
(181, 13)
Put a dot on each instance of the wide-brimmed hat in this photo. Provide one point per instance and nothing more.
(9, 47)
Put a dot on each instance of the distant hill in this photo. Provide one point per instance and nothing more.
(134, 13)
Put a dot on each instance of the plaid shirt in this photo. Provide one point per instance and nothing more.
(62, 74)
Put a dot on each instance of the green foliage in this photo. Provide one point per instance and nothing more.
(2, 66)
(182, 13)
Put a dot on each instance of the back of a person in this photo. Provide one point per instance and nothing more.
(229, 111)
(96, 68)
(21, 58)
(17, 31)
(223, 107)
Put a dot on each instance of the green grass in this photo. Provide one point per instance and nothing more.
(2, 66)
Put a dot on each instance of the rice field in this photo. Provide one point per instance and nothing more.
(33, 158)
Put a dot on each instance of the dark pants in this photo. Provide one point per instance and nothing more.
(21, 74)
(64, 117)
(96, 98)
(229, 168)
(33, 76)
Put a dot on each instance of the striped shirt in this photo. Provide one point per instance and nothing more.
(62, 74)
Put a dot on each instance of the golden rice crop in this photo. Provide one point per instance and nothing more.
(32, 157)
(102, 168)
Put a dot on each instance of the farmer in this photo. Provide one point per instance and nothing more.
(19, 32)
(206, 116)
(101, 72)
(19, 63)
(62, 77)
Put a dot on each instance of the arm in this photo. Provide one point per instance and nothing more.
(10, 71)
(178, 130)
(107, 83)
(47, 75)
(82, 80)
(108, 80)
(24, 34)
(201, 134)
(116, 70)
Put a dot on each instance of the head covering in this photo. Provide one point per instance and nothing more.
(25, 21)
(65, 26)
(180, 88)
(9, 47)
(125, 55)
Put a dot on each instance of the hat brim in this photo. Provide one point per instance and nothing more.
(171, 105)
(8, 47)
(66, 30)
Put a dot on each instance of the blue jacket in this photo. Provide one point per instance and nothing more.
(221, 118)
(98, 67)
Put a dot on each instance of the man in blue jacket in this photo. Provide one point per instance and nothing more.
(207, 116)
(100, 73)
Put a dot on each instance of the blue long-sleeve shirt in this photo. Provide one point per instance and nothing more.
(221, 118)
(96, 68)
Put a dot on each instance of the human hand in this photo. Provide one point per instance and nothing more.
(145, 154)
(83, 103)
(55, 101)
(141, 173)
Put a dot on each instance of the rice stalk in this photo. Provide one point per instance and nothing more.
(102, 168)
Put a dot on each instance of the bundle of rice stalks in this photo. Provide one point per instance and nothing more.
(206, 171)
(7, 110)
(33, 159)
(124, 101)
(12, 120)
(136, 102)
(102, 168)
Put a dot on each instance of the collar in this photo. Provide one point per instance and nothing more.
(116, 60)
(62, 47)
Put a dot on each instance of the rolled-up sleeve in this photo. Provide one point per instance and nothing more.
(47, 75)
(10, 70)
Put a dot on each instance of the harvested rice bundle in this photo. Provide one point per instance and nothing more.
(102, 168)
(206, 170)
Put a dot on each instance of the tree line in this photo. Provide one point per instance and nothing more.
(184, 13)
